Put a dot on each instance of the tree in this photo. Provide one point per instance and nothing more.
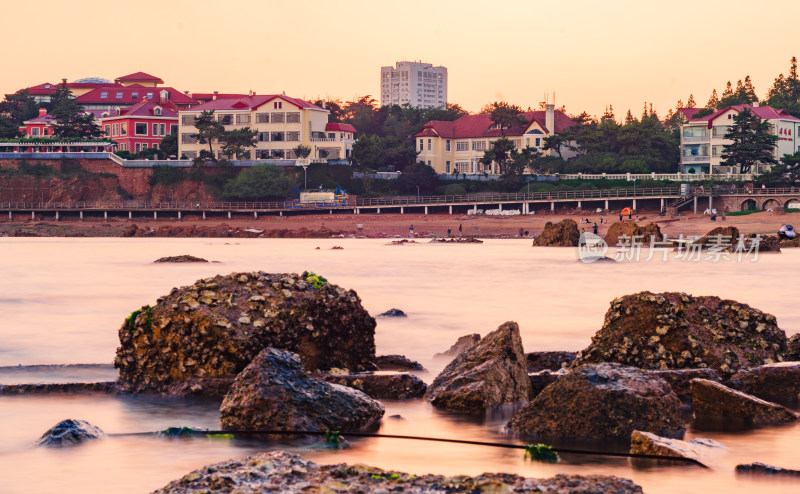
(505, 115)
(262, 182)
(691, 103)
(417, 175)
(752, 142)
(790, 166)
(498, 153)
(521, 161)
(785, 92)
(14, 110)
(237, 142)
(208, 129)
(169, 144)
(70, 121)
(302, 151)
(713, 101)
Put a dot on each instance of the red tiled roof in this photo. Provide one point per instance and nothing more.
(480, 126)
(146, 109)
(46, 88)
(210, 96)
(42, 119)
(762, 112)
(94, 96)
(140, 76)
(689, 112)
(341, 127)
(251, 102)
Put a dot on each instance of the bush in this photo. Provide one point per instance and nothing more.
(262, 182)
(126, 155)
(37, 170)
(166, 175)
(455, 190)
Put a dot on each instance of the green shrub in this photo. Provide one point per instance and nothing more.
(166, 175)
(455, 190)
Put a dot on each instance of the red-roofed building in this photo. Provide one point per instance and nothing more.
(139, 78)
(282, 123)
(42, 93)
(457, 147)
(140, 126)
(40, 126)
(109, 97)
(206, 97)
(703, 139)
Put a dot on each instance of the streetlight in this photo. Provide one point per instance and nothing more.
(305, 177)
(417, 193)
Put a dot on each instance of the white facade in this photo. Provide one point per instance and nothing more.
(415, 83)
(702, 141)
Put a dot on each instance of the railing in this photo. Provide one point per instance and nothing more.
(692, 159)
(696, 138)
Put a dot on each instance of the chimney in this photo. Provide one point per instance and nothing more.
(755, 104)
(550, 118)
(215, 95)
(42, 112)
(186, 93)
(163, 96)
(250, 92)
(64, 80)
(284, 93)
(323, 106)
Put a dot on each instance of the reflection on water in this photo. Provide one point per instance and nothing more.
(63, 300)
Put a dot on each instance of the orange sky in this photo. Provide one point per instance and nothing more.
(590, 53)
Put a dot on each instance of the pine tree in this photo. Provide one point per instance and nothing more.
(713, 101)
(629, 117)
(749, 92)
(644, 111)
(70, 119)
(728, 91)
(751, 142)
(691, 103)
(793, 81)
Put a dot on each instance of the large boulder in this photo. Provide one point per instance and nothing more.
(491, 373)
(274, 393)
(680, 380)
(281, 472)
(200, 336)
(553, 361)
(793, 347)
(544, 378)
(646, 443)
(678, 331)
(717, 406)
(462, 344)
(766, 243)
(774, 382)
(631, 230)
(597, 402)
(381, 386)
(562, 234)
(725, 237)
(69, 432)
(397, 363)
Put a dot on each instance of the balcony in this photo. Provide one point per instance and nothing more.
(700, 158)
(695, 138)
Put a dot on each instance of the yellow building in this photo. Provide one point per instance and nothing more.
(457, 147)
(282, 123)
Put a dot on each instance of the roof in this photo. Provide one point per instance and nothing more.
(147, 109)
(95, 96)
(46, 88)
(45, 119)
(341, 127)
(140, 76)
(252, 102)
(762, 112)
(689, 112)
(480, 125)
(211, 96)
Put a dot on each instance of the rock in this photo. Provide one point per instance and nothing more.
(181, 258)
(761, 468)
(565, 233)
(393, 313)
(766, 243)
(680, 380)
(69, 433)
(673, 330)
(646, 443)
(397, 363)
(727, 236)
(131, 231)
(544, 378)
(462, 344)
(382, 386)
(790, 243)
(200, 332)
(274, 393)
(793, 348)
(630, 230)
(718, 406)
(537, 361)
(774, 382)
(457, 240)
(490, 373)
(598, 402)
(282, 472)
(106, 387)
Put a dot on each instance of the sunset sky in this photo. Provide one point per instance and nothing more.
(590, 53)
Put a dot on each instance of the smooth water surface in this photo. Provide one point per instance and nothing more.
(63, 300)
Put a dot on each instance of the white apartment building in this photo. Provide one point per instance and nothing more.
(415, 83)
(703, 139)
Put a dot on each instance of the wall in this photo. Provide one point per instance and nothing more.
(133, 180)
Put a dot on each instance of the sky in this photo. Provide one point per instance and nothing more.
(591, 54)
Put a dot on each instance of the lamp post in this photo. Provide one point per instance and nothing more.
(305, 177)
(417, 193)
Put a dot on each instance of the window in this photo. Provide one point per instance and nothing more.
(154, 146)
(278, 117)
(538, 142)
(173, 128)
(123, 129)
(277, 105)
(695, 131)
(293, 136)
(134, 95)
(119, 94)
(140, 129)
(277, 136)
(478, 145)
(163, 129)
(447, 147)
(717, 150)
(263, 136)
(150, 96)
(293, 117)
(103, 94)
(157, 112)
(421, 144)
(517, 143)
(115, 130)
(462, 146)
(447, 167)
(429, 145)
(35, 131)
(107, 130)
(155, 130)
(138, 148)
(188, 139)
(243, 119)
(225, 119)
(187, 120)
(720, 131)
(262, 117)
(331, 135)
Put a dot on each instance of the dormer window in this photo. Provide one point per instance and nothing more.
(104, 95)
(119, 94)
(157, 111)
(134, 95)
(149, 95)
(47, 86)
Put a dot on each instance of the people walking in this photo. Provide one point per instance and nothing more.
(459, 229)
(594, 229)
(411, 231)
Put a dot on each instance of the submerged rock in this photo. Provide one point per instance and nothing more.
(199, 336)
(718, 406)
(285, 473)
(678, 331)
(601, 401)
(562, 234)
(69, 433)
(181, 258)
(774, 382)
(553, 361)
(274, 393)
(462, 344)
(646, 443)
(761, 468)
(490, 373)
(393, 313)
(382, 386)
(397, 363)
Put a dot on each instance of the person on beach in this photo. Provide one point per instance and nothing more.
(594, 229)
(620, 217)
(448, 232)
(411, 231)
(459, 229)
(601, 219)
